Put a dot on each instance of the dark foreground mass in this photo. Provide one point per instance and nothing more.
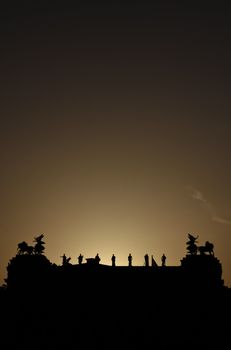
(104, 307)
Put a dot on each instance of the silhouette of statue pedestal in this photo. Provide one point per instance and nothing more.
(92, 262)
(202, 271)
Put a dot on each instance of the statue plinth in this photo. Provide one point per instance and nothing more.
(202, 270)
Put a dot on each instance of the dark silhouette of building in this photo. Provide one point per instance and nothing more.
(138, 307)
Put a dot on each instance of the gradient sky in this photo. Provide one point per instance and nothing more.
(115, 129)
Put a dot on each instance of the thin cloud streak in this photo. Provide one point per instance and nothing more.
(198, 196)
(221, 220)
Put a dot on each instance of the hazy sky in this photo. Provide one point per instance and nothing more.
(115, 129)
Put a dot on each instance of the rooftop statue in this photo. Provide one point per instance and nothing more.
(129, 259)
(97, 259)
(154, 262)
(207, 248)
(24, 248)
(65, 260)
(146, 260)
(80, 259)
(163, 260)
(191, 244)
(193, 248)
(39, 244)
(113, 259)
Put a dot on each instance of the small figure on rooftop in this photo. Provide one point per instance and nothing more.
(129, 260)
(113, 259)
(80, 259)
(65, 260)
(97, 258)
(163, 259)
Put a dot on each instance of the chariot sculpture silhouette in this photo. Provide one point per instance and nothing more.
(193, 248)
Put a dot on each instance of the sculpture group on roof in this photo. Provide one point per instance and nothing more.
(65, 260)
(31, 262)
(38, 249)
(193, 249)
(96, 260)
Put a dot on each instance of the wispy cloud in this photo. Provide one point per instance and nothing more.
(199, 196)
(221, 220)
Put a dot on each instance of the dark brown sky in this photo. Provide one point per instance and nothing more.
(115, 128)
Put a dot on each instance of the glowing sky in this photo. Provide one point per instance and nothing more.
(115, 129)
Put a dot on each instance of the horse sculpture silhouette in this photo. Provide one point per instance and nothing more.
(207, 248)
(193, 249)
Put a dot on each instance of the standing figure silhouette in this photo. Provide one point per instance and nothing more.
(113, 259)
(80, 259)
(97, 258)
(163, 259)
(129, 260)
